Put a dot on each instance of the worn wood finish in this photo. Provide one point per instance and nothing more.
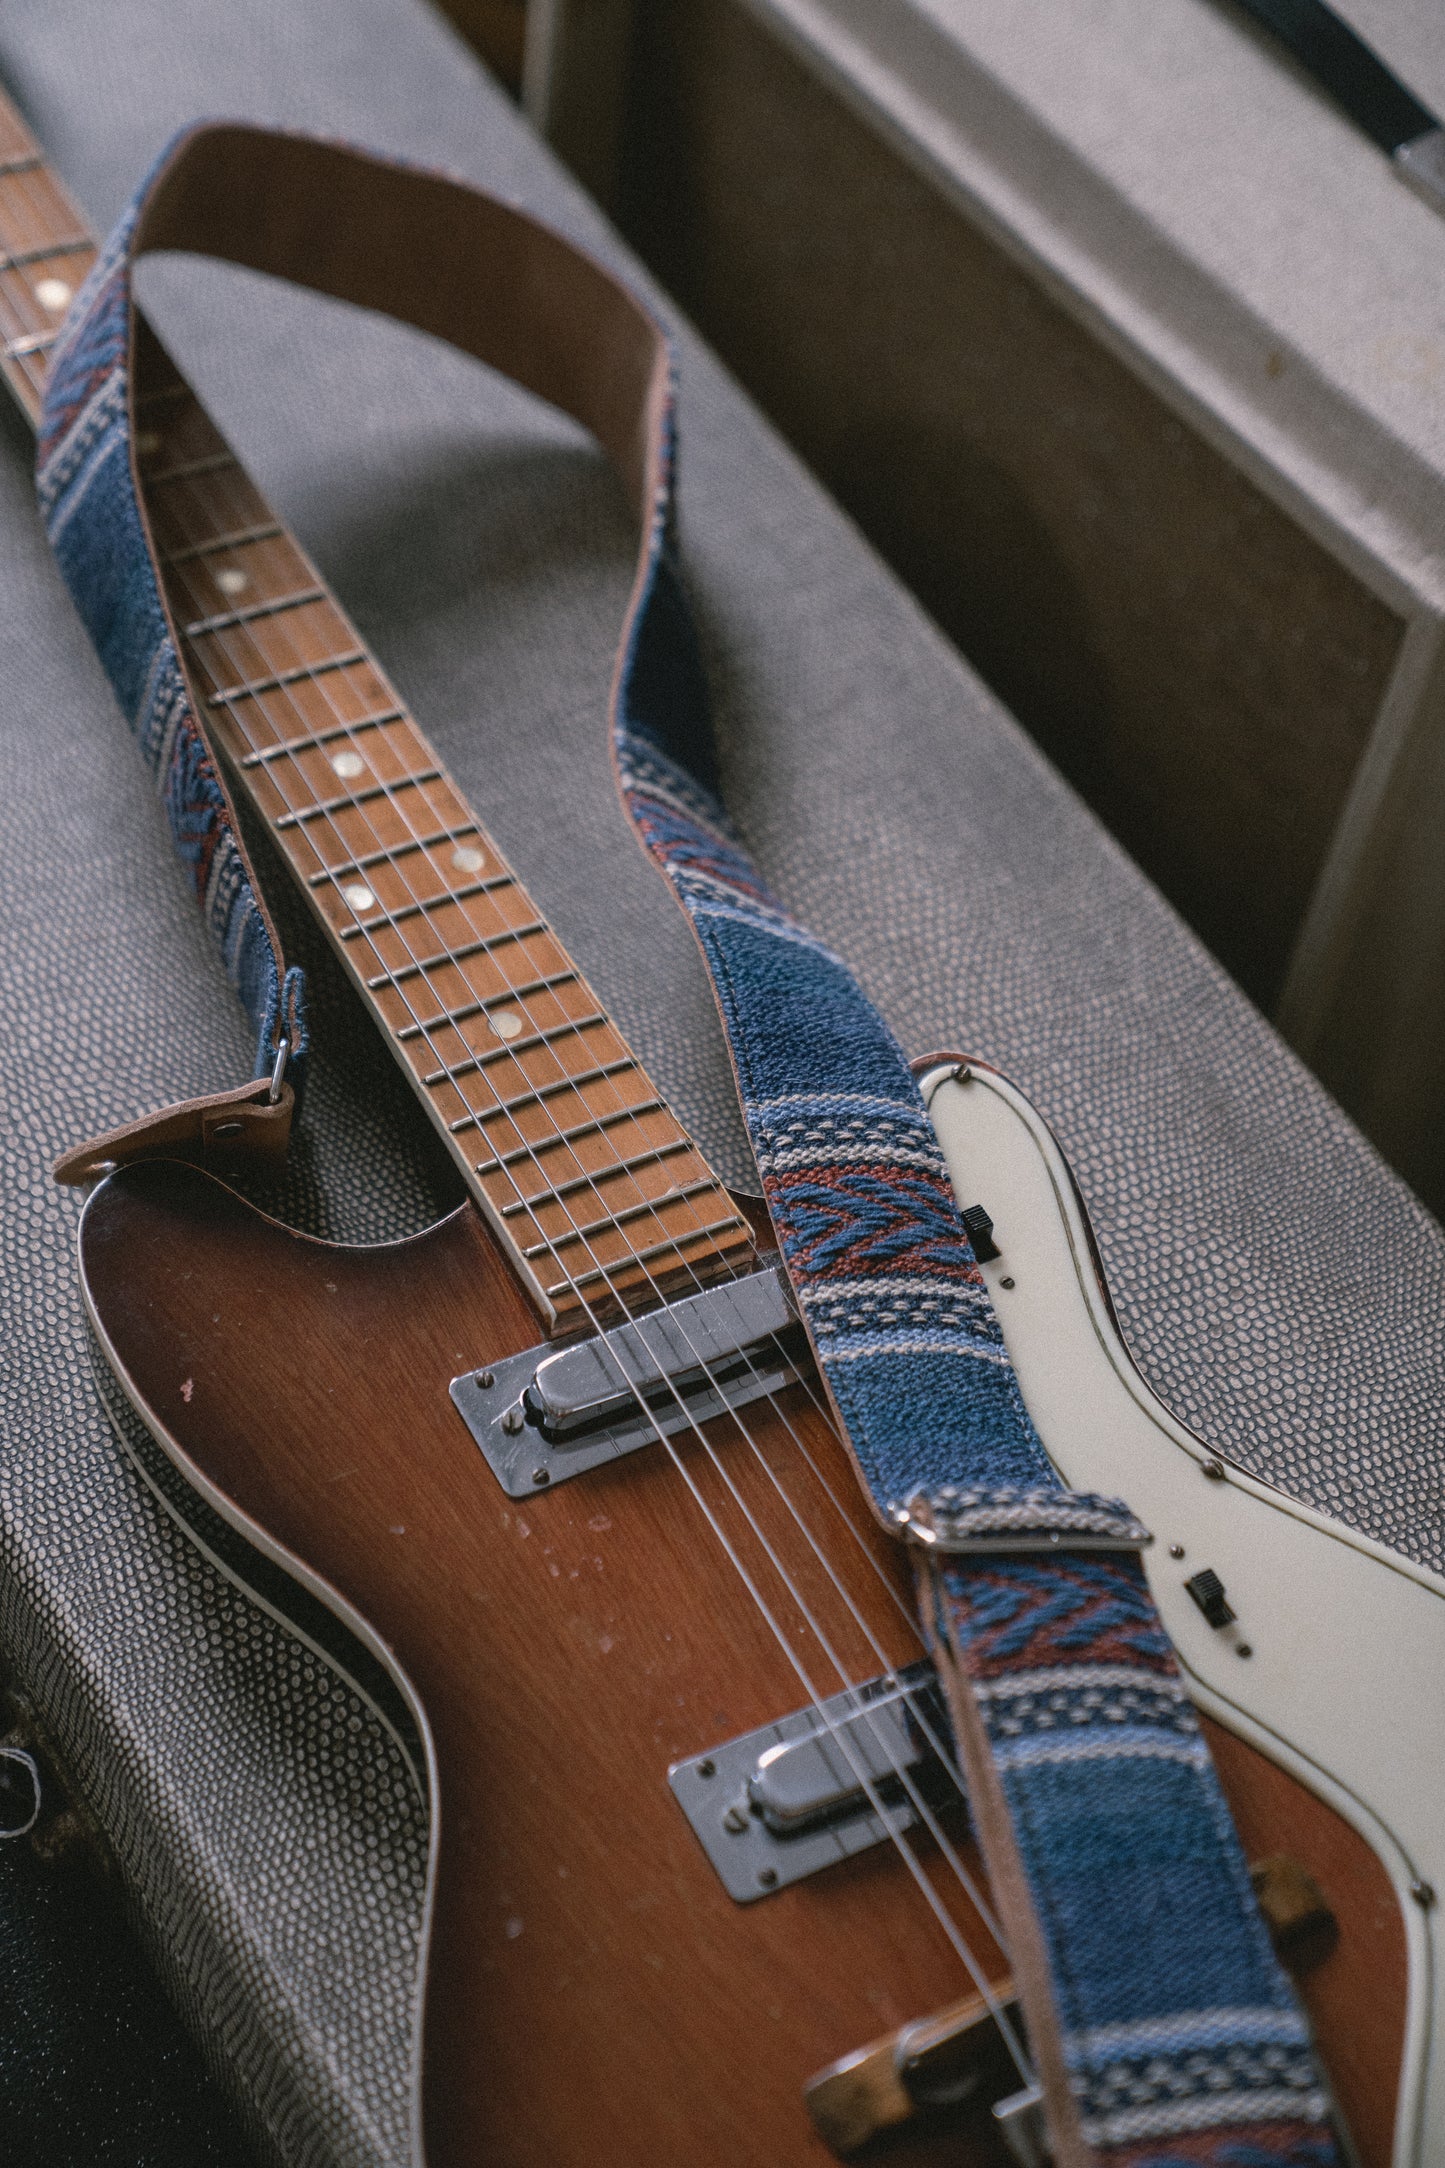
(594, 1994)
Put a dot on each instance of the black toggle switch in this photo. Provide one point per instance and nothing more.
(1208, 1592)
(980, 1232)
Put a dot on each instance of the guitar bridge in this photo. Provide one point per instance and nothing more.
(550, 1414)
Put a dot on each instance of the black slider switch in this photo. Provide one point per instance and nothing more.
(980, 1232)
(1208, 1592)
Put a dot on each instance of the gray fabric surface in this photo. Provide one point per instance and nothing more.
(1280, 1287)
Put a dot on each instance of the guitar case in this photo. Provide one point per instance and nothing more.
(1282, 1289)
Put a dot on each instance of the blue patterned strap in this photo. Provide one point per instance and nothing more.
(1163, 2025)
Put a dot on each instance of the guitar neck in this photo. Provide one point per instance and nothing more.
(599, 1197)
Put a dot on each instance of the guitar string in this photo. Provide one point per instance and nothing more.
(822, 1639)
(918, 1801)
(920, 1805)
(769, 1551)
(606, 1173)
(33, 368)
(912, 1697)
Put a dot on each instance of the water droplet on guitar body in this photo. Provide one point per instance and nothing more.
(348, 764)
(467, 859)
(506, 1024)
(231, 582)
(54, 295)
(358, 895)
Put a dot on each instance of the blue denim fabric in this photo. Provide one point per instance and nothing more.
(87, 494)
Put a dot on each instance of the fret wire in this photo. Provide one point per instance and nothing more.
(560, 1136)
(252, 610)
(399, 850)
(927, 1887)
(603, 1174)
(630, 1212)
(207, 463)
(533, 1039)
(577, 1281)
(405, 850)
(330, 807)
(379, 924)
(25, 257)
(24, 164)
(501, 939)
(510, 1048)
(34, 342)
(482, 946)
(479, 1008)
(227, 697)
(249, 690)
(289, 746)
(678, 1253)
(597, 1075)
(233, 541)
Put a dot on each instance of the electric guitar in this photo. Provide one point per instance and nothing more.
(702, 1880)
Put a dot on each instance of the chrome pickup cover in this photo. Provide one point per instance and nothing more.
(782, 1802)
(549, 1414)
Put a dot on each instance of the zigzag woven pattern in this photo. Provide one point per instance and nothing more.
(1181, 2036)
(1110, 1786)
(88, 501)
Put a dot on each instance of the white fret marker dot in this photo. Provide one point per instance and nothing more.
(358, 895)
(506, 1024)
(54, 295)
(348, 764)
(147, 442)
(232, 582)
(467, 860)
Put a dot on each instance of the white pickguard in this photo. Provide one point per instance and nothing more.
(1345, 1682)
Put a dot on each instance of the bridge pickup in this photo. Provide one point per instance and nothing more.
(549, 1414)
(783, 1802)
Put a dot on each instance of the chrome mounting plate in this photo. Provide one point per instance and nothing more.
(552, 1413)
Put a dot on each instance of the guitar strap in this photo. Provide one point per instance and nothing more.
(1162, 2025)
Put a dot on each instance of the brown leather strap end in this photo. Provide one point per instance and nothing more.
(237, 1132)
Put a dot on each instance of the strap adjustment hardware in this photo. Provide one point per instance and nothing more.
(953, 1521)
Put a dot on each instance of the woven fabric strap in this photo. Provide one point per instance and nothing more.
(1165, 2029)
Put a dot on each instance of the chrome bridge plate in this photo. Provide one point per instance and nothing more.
(553, 1413)
(787, 1800)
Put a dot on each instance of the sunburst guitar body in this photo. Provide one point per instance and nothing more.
(606, 1981)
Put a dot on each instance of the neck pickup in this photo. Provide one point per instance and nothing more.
(542, 1417)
